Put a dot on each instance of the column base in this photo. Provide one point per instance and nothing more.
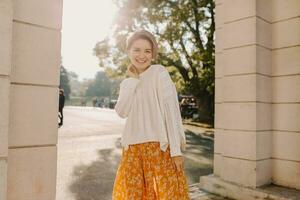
(216, 185)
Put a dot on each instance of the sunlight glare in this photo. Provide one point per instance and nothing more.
(85, 22)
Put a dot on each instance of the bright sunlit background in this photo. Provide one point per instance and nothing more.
(84, 23)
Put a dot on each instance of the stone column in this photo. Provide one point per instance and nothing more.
(257, 100)
(6, 21)
(32, 137)
(243, 100)
(286, 93)
(243, 93)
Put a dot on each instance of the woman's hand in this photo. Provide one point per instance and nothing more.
(178, 162)
(132, 71)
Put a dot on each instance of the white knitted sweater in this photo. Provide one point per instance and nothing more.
(151, 107)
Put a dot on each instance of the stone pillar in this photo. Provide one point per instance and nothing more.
(6, 20)
(257, 110)
(33, 98)
(286, 93)
(243, 93)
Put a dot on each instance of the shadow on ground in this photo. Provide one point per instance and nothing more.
(95, 181)
(198, 156)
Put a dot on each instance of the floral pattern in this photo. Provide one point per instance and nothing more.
(148, 173)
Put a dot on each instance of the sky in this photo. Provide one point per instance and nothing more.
(85, 22)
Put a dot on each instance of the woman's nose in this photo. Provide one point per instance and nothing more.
(141, 55)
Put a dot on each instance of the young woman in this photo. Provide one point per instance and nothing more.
(152, 164)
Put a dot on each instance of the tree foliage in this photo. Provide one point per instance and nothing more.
(78, 87)
(101, 86)
(185, 31)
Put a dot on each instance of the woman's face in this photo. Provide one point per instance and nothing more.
(140, 54)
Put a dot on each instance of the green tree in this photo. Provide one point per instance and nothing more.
(64, 82)
(185, 31)
(100, 87)
(78, 87)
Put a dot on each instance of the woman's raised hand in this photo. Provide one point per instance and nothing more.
(132, 71)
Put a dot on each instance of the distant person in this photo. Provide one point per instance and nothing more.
(184, 105)
(95, 100)
(101, 102)
(61, 107)
(105, 103)
(152, 162)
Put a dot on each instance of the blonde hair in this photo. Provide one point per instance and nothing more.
(146, 35)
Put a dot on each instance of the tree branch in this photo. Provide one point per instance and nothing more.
(177, 64)
(196, 35)
(188, 58)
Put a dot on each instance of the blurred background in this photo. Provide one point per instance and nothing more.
(94, 59)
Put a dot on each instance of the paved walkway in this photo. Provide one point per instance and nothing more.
(197, 194)
(89, 152)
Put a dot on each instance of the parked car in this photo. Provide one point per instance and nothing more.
(188, 106)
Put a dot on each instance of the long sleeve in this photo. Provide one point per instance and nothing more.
(172, 114)
(126, 96)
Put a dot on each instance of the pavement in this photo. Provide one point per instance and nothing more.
(89, 152)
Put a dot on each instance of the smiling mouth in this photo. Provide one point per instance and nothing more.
(142, 62)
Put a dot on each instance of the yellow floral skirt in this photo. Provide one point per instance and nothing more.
(148, 173)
